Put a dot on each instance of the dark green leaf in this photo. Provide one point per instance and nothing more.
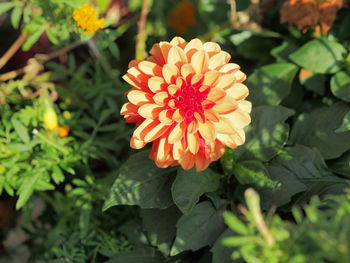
(201, 227)
(222, 254)
(190, 185)
(254, 172)
(320, 56)
(318, 129)
(266, 135)
(269, 84)
(345, 126)
(21, 130)
(141, 182)
(341, 165)
(313, 82)
(282, 52)
(340, 86)
(138, 255)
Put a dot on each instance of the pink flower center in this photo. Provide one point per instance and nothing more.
(189, 100)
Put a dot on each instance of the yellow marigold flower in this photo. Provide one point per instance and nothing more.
(50, 119)
(189, 101)
(63, 131)
(306, 14)
(86, 18)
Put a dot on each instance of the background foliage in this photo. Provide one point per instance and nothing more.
(87, 197)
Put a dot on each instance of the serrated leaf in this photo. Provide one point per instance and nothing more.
(199, 228)
(57, 174)
(4, 7)
(26, 190)
(16, 16)
(190, 185)
(141, 182)
(21, 130)
(138, 255)
(320, 56)
(340, 86)
(270, 84)
(32, 39)
(266, 135)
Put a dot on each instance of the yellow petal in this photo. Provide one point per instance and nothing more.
(176, 41)
(200, 61)
(216, 94)
(138, 97)
(239, 76)
(170, 73)
(238, 91)
(187, 70)
(239, 118)
(176, 55)
(178, 150)
(193, 142)
(155, 132)
(194, 44)
(163, 149)
(161, 97)
(177, 133)
(149, 111)
(165, 117)
(139, 130)
(157, 54)
(211, 47)
(211, 77)
(211, 115)
(216, 61)
(187, 161)
(197, 79)
(178, 115)
(172, 89)
(224, 126)
(156, 84)
(207, 130)
(192, 127)
(133, 81)
(150, 68)
(245, 105)
(225, 81)
(128, 108)
(229, 68)
(225, 106)
(136, 143)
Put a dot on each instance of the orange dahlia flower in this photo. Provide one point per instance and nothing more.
(189, 101)
(306, 14)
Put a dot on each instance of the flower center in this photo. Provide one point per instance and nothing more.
(189, 100)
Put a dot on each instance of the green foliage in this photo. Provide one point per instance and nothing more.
(321, 235)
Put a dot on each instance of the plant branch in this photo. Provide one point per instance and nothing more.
(142, 34)
(13, 49)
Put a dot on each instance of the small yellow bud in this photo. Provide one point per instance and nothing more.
(50, 119)
(2, 169)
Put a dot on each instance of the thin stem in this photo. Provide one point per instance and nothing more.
(13, 49)
(142, 34)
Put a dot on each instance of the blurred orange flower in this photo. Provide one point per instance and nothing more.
(182, 17)
(86, 18)
(306, 14)
(189, 101)
(63, 131)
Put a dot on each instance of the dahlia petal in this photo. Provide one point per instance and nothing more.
(211, 77)
(193, 142)
(192, 127)
(207, 130)
(211, 115)
(177, 133)
(138, 97)
(157, 54)
(161, 97)
(217, 61)
(155, 132)
(216, 94)
(187, 161)
(139, 130)
(239, 75)
(229, 68)
(201, 162)
(225, 81)
(128, 108)
(238, 91)
(187, 71)
(134, 63)
(140, 77)
(178, 150)
(165, 117)
(227, 140)
(162, 150)
(172, 89)
(170, 73)
(176, 56)
(178, 115)
(226, 106)
(200, 61)
(156, 84)
(177, 41)
(133, 81)
(224, 126)
(211, 47)
(149, 111)
(227, 56)
(195, 44)
(150, 68)
(239, 118)
(136, 143)
(245, 105)
(197, 80)
(199, 117)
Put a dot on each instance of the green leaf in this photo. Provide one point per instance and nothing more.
(313, 82)
(345, 126)
(222, 254)
(16, 16)
(341, 165)
(254, 172)
(235, 224)
(318, 129)
(162, 233)
(270, 84)
(21, 130)
(266, 135)
(57, 174)
(141, 182)
(190, 185)
(26, 190)
(320, 56)
(340, 86)
(51, 34)
(282, 52)
(201, 227)
(4, 7)
(32, 39)
(138, 255)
